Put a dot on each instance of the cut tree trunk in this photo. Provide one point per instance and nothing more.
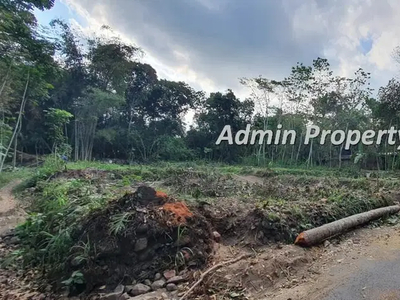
(317, 235)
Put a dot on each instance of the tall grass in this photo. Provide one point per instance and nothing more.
(20, 174)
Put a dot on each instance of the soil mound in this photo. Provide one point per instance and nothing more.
(137, 236)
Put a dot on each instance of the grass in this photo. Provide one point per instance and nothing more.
(290, 201)
(19, 174)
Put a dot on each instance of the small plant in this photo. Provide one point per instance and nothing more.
(83, 253)
(75, 283)
(76, 278)
(180, 253)
(181, 256)
(119, 222)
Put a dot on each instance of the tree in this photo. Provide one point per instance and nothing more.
(56, 120)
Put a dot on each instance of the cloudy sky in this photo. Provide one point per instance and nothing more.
(210, 44)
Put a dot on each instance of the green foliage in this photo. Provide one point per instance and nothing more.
(56, 212)
(118, 222)
(76, 278)
(56, 120)
(19, 174)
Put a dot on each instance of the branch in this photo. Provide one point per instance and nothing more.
(217, 266)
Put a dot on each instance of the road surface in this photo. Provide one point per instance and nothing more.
(365, 266)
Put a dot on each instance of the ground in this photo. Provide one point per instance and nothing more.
(10, 213)
(360, 264)
(364, 265)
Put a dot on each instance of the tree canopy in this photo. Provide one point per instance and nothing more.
(94, 94)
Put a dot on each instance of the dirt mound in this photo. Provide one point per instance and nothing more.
(137, 236)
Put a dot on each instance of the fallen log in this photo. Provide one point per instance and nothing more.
(319, 234)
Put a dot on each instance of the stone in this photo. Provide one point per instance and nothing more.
(140, 244)
(176, 279)
(158, 276)
(124, 296)
(139, 289)
(129, 287)
(158, 284)
(217, 236)
(171, 287)
(147, 282)
(110, 296)
(164, 296)
(119, 289)
(149, 296)
(14, 240)
(168, 274)
(326, 243)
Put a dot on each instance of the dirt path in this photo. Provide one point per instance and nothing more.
(10, 213)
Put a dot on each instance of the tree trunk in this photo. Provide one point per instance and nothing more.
(319, 234)
(298, 149)
(341, 149)
(310, 154)
(5, 79)
(76, 140)
(15, 152)
(17, 124)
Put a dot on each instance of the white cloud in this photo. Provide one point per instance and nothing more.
(210, 44)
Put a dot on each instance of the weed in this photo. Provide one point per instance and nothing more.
(7, 177)
(118, 222)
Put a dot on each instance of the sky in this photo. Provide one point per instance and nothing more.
(210, 44)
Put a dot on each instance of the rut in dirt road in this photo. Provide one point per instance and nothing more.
(10, 213)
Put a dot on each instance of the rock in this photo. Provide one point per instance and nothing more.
(326, 243)
(124, 296)
(217, 236)
(129, 287)
(158, 284)
(112, 296)
(119, 289)
(140, 244)
(171, 287)
(157, 276)
(164, 296)
(149, 296)
(147, 282)
(139, 289)
(14, 240)
(169, 274)
(176, 279)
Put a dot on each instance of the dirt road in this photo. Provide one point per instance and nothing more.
(365, 265)
(10, 214)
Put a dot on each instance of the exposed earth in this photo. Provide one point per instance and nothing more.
(362, 264)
